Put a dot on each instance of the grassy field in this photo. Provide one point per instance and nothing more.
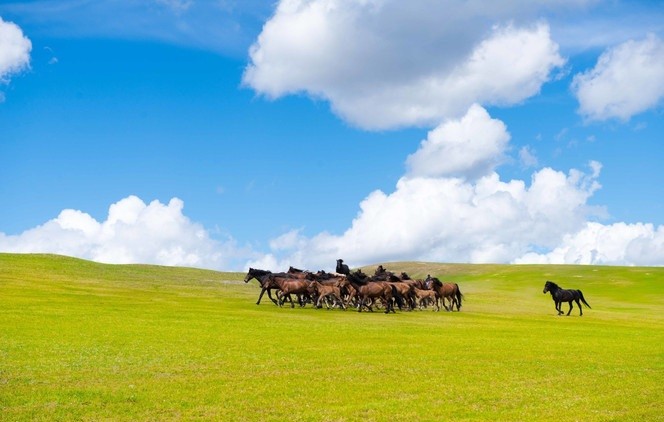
(87, 341)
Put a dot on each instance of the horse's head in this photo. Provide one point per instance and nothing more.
(255, 273)
(312, 288)
(250, 275)
(549, 286)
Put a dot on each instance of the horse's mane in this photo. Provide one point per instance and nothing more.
(358, 277)
(261, 272)
(552, 284)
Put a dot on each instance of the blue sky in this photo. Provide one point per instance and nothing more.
(224, 134)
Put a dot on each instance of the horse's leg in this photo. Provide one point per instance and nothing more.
(341, 302)
(260, 296)
(571, 305)
(269, 294)
(558, 305)
(578, 303)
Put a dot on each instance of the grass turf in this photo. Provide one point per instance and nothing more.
(87, 341)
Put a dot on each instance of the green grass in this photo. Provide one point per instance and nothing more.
(87, 341)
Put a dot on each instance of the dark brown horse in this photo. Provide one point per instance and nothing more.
(562, 295)
(301, 274)
(449, 291)
(266, 282)
(289, 286)
(371, 290)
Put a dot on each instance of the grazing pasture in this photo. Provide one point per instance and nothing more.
(87, 341)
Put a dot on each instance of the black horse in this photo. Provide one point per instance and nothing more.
(565, 295)
(342, 268)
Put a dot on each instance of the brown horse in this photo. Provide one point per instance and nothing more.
(426, 296)
(370, 290)
(449, 291)
(298, 273)
(288, 286)
(407, 292)
(324, 291)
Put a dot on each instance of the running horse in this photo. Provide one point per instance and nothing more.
(560, 295)
(449, 291)
(265, 280)
(371, 290)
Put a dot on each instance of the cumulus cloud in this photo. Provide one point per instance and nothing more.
(389, 63)
(14, 50)
(133, 232)
(470, 147)
(450, 219)
(438, 213)
(626, 80)
(615, 244)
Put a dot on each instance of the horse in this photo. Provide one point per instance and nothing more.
(266, 282)
(425, 296)
(342, 268)
(449, 291)
(288, 286)
(560, 295)
(372, 290)
(325, 291)
(381, 274)
(299, 274)
(407, 292)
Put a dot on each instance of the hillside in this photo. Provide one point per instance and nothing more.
(82, 340)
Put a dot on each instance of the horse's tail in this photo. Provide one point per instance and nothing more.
(583, 299)
(398, 298)
(459, 296)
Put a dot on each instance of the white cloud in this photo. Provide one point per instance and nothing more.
(134, 232)
(438, 214)
(615, 244)
(14, 50)
(470, 147)
(527, 157)
(447, 219)
(389, 63)
(626, 80)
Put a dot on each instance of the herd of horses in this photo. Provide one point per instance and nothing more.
(344, 289)
(385, 289)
